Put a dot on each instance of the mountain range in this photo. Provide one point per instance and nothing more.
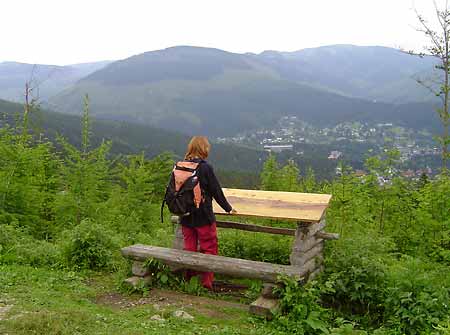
(46, 80)
(372, 73)
(210, 91)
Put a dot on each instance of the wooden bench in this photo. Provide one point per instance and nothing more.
(306, 258)
(235, 267)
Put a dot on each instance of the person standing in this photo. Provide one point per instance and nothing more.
(199, 228)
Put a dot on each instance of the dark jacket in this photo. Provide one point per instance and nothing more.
(211, 189)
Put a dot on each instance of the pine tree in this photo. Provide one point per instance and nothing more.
(86, 176)
(289, 177)
(269, 175)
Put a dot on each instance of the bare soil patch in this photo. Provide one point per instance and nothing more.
(164, 299)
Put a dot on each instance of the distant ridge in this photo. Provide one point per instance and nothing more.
(205, 90)
(48, 80)
(368, 72)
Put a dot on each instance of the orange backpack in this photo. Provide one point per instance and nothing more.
(183, 193)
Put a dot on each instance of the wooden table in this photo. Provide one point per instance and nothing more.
(301, 207)
(306, 258)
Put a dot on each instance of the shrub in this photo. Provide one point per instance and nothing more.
(301, 312)
(417, 296)
(357, 275)
(17, 247)
(89, 246)
(369, 285)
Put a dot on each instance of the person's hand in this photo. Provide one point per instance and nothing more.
(233, 211)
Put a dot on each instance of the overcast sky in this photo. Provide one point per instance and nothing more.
(74, 31)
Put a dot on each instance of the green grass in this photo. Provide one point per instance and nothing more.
(49, 301)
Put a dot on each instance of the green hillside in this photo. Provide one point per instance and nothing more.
(236, 165)
(131, 138)
(368, 72)
(183, 63)
(210, 91)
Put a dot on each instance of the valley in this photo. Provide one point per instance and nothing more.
(345, 141)
(329, 104)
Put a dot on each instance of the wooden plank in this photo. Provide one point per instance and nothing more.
(312, 198)
(256, 228)
(247, 227)
(305, 238)
(310, 265)
(305, 207)
(301, 258)
(309, 230)
(327, 236)
(306, 245)
(268, 290)
(224, 265)
(266, 307)
(178, 239)
(178, 243)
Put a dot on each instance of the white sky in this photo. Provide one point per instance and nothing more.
(74, 31)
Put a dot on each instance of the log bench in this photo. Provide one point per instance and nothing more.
(306, 258)
(234, 267)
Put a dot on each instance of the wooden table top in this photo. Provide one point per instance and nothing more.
(305, 207)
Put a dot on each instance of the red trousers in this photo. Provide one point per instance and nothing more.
(205, 237)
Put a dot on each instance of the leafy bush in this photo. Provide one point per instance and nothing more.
(357, 275)
(417, 296)
(89, 246)
(301, 312)
(348, 329)
(20, 248)
(368, 284)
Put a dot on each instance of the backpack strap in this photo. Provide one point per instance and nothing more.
(182, 168)
(187, 166)
(162, 205)
(165, 197)
(162, 210)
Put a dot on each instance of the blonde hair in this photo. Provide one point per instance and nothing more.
(198, 147)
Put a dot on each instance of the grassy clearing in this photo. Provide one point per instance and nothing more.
(48, 301)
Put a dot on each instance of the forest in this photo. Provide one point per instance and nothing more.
(66, 211)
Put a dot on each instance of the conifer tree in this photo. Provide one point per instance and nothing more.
(85, 174)
(269, 174)
(309, 183)
(289, 180)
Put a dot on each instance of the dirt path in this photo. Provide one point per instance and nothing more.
(5, 306)
(164, 299)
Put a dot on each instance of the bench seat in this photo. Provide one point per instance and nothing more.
(235, 267)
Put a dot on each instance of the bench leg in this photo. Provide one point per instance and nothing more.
(136, 282)
(265, 307)
(139, 269)
(178, 241)
(307, 250)
(268, 303)
(141, 276)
